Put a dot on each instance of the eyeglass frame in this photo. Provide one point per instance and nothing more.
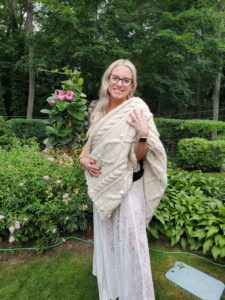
(121, 79)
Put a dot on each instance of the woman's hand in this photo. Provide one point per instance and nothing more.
(90, 166)
(139, 121)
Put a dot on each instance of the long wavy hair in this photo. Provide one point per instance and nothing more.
(100, 109)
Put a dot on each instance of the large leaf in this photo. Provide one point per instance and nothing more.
(215, 251)
(51, 130)
(47, 111)
(61, 105)
(212, 230)
(207, 245)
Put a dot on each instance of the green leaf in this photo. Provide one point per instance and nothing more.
(222, 252)
(212, 230)
(61, 105)
(207, 245)
(153, 231)
(215, 251)
(47, 111)
(199, 233)
(51, 130)
(183, 243)
(220, 240)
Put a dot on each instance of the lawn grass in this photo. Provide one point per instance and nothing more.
(65, 274)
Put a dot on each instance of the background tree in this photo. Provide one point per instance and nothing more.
(31, 58)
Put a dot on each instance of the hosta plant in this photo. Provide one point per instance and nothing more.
(192, 212)
(67, 114)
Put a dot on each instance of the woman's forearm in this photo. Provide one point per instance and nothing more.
(140, 150)
(83, 152)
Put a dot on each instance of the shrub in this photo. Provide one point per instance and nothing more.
(192, 213)
(26, 129)
(41, 195)
(67, 114)
(198, 153)
(173, 130)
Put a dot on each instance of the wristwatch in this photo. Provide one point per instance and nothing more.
(142, 139)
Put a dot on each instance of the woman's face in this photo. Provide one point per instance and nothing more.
(120, 83)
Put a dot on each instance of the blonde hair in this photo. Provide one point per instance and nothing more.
(103, 102)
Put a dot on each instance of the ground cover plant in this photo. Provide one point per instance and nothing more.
(192, 212)
(42, 195)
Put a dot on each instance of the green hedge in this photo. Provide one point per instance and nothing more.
(173, 130)
(42, 195)
(192, 212)
(27, 128)
(201, 154)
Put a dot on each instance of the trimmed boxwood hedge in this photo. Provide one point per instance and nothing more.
(26, 129)
(201, 154)
(173, 130)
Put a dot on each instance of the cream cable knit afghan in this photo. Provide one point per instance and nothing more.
(111, 143)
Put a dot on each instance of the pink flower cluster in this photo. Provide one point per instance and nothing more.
(63, 96)
(68, 95)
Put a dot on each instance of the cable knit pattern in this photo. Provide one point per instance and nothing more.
(111, 143)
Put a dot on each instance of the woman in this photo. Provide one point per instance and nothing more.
(125, 168)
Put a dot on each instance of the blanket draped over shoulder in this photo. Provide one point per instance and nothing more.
(111, 143)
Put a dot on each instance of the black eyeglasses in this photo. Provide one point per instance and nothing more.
(115, 79)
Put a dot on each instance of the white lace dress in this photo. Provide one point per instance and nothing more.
(121, 256)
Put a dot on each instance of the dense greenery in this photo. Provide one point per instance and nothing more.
(173, 130)
(177, 47)
(200, 154)
(26, 129)
(192, 212)
(42, 195)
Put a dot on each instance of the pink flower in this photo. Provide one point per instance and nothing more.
(2, 217)
(17, 225)
(46, 177)
(11, 239)
(53, 101)
(50, 158)
(61, 95)
(69, 95)
(12, 229)
(58, 181)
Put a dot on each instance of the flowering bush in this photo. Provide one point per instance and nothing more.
(68, 114)
(42, 195)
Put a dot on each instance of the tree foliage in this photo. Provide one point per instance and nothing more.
(177, 47)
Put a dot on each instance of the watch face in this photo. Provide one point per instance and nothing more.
(142, 139)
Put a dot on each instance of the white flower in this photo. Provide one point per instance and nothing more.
(46, 177)
(50, 158)
(67, 218)
(25, 219)
(17, 225)
(54, 230)
(2, 217)
(21, 184)
(12, 229)
(65, 196)
(11, 239)
(84, 207)
(65, 201)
